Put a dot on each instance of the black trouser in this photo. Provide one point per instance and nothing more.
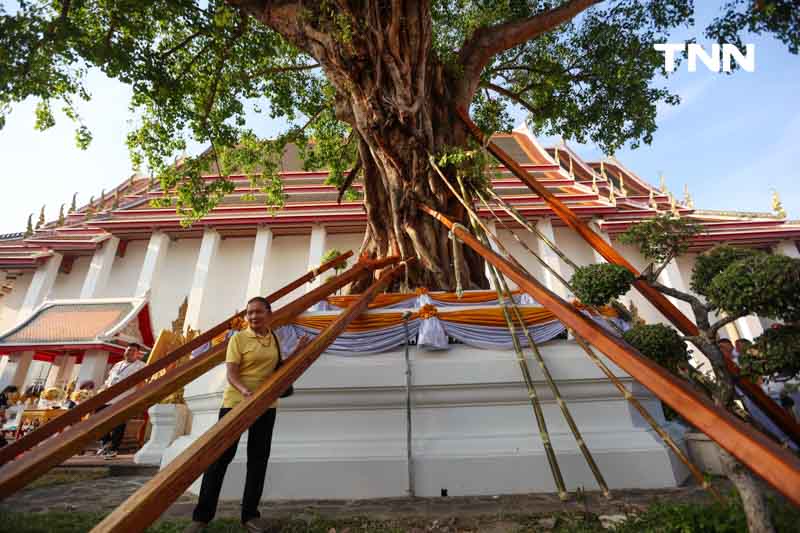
(259, 442)
(115, 436)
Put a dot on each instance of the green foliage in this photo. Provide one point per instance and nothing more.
(469, 165)
(662, 237)
(599, 284)
(660, 343)
(714, 261)
(762, 284)
(200, 71)
(776, 351)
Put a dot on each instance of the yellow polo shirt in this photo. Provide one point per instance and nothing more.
(257, 357)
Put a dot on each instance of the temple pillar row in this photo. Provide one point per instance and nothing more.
(209, 248)
(100, 269)
(41, 285)
(316, 249)
(61, 371)
(93, 368)
(545, 226)
(256, 284)
(16, 369)
(154, 260)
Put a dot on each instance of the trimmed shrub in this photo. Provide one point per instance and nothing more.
(776, 351)
(765, 285)
(660, 343)
(599, 284)
(714, 261)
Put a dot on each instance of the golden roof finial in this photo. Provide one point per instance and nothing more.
(673, 205)
(61, 215)
(652, 200)
(687, 198)
(571, 172)
(622, 190)
(595, 188)
(40, 222)
(555, 156)
(74, 205)
(29, 227)
(777, 206)
(603, 169)
(663, 182)
(612, 197)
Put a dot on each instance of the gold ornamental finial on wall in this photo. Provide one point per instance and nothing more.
(777, 205)
(687, 198)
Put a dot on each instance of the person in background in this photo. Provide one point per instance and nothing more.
(726, 347)
(741, 346)
(5, 396)
(130, 363)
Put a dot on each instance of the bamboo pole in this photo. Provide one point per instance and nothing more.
(670, 442)
(503, 295)
(776, 413)
(666, 437)
(150, 501)
(42, 458)
(74, 415)
(776, 465)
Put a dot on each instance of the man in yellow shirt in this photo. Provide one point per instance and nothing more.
(252, 356)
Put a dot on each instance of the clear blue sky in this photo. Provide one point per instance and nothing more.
(732, 139)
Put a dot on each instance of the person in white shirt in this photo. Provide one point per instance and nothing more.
(130, 363)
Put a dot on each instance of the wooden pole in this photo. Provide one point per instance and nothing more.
(659, 301)
(149, 502)
(42, 458)
(74, 415)
(763, 456)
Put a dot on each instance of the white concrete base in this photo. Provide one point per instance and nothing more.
(342, 435)
(168, 423)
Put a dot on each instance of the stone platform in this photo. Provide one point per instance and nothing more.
(342, 435)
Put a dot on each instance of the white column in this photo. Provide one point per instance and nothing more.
(788, 248)
(316, 249)
(493, 229)
(749, 327)
(60, 372)
(209, 248)
(545, 226)
(256, 284)
(41, 285)
(598, 258)
(168, 422)
(93, 367)
(16, 369)
(153, 261)
(671, 277)
(100, 269)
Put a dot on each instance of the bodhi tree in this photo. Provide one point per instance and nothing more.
(374, 84)
(726, 282)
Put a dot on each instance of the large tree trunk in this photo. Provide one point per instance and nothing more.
(752, 496)
(400, 101)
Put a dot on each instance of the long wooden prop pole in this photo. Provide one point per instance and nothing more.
(74, 415)
(659, 301)
(39, 460)
(763, 456)
(148, 503)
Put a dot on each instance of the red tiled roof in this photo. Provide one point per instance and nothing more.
(69, 323)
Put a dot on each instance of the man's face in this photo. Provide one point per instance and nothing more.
(131, 354)
(258, 315)
(726, 348)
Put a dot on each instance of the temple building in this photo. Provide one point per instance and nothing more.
(74, 291)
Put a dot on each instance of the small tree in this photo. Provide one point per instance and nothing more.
(734, 283)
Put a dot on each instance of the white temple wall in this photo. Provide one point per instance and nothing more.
(11, 302)
(173, 283)
(125, 272)
(574, 247)
(287, 261)
(227, 281)
(344, 242)
(69, 285)
(530, 263)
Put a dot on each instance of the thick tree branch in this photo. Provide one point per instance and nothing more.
(487, 42)
(675, 293)
(511, 96)
(724, 322)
